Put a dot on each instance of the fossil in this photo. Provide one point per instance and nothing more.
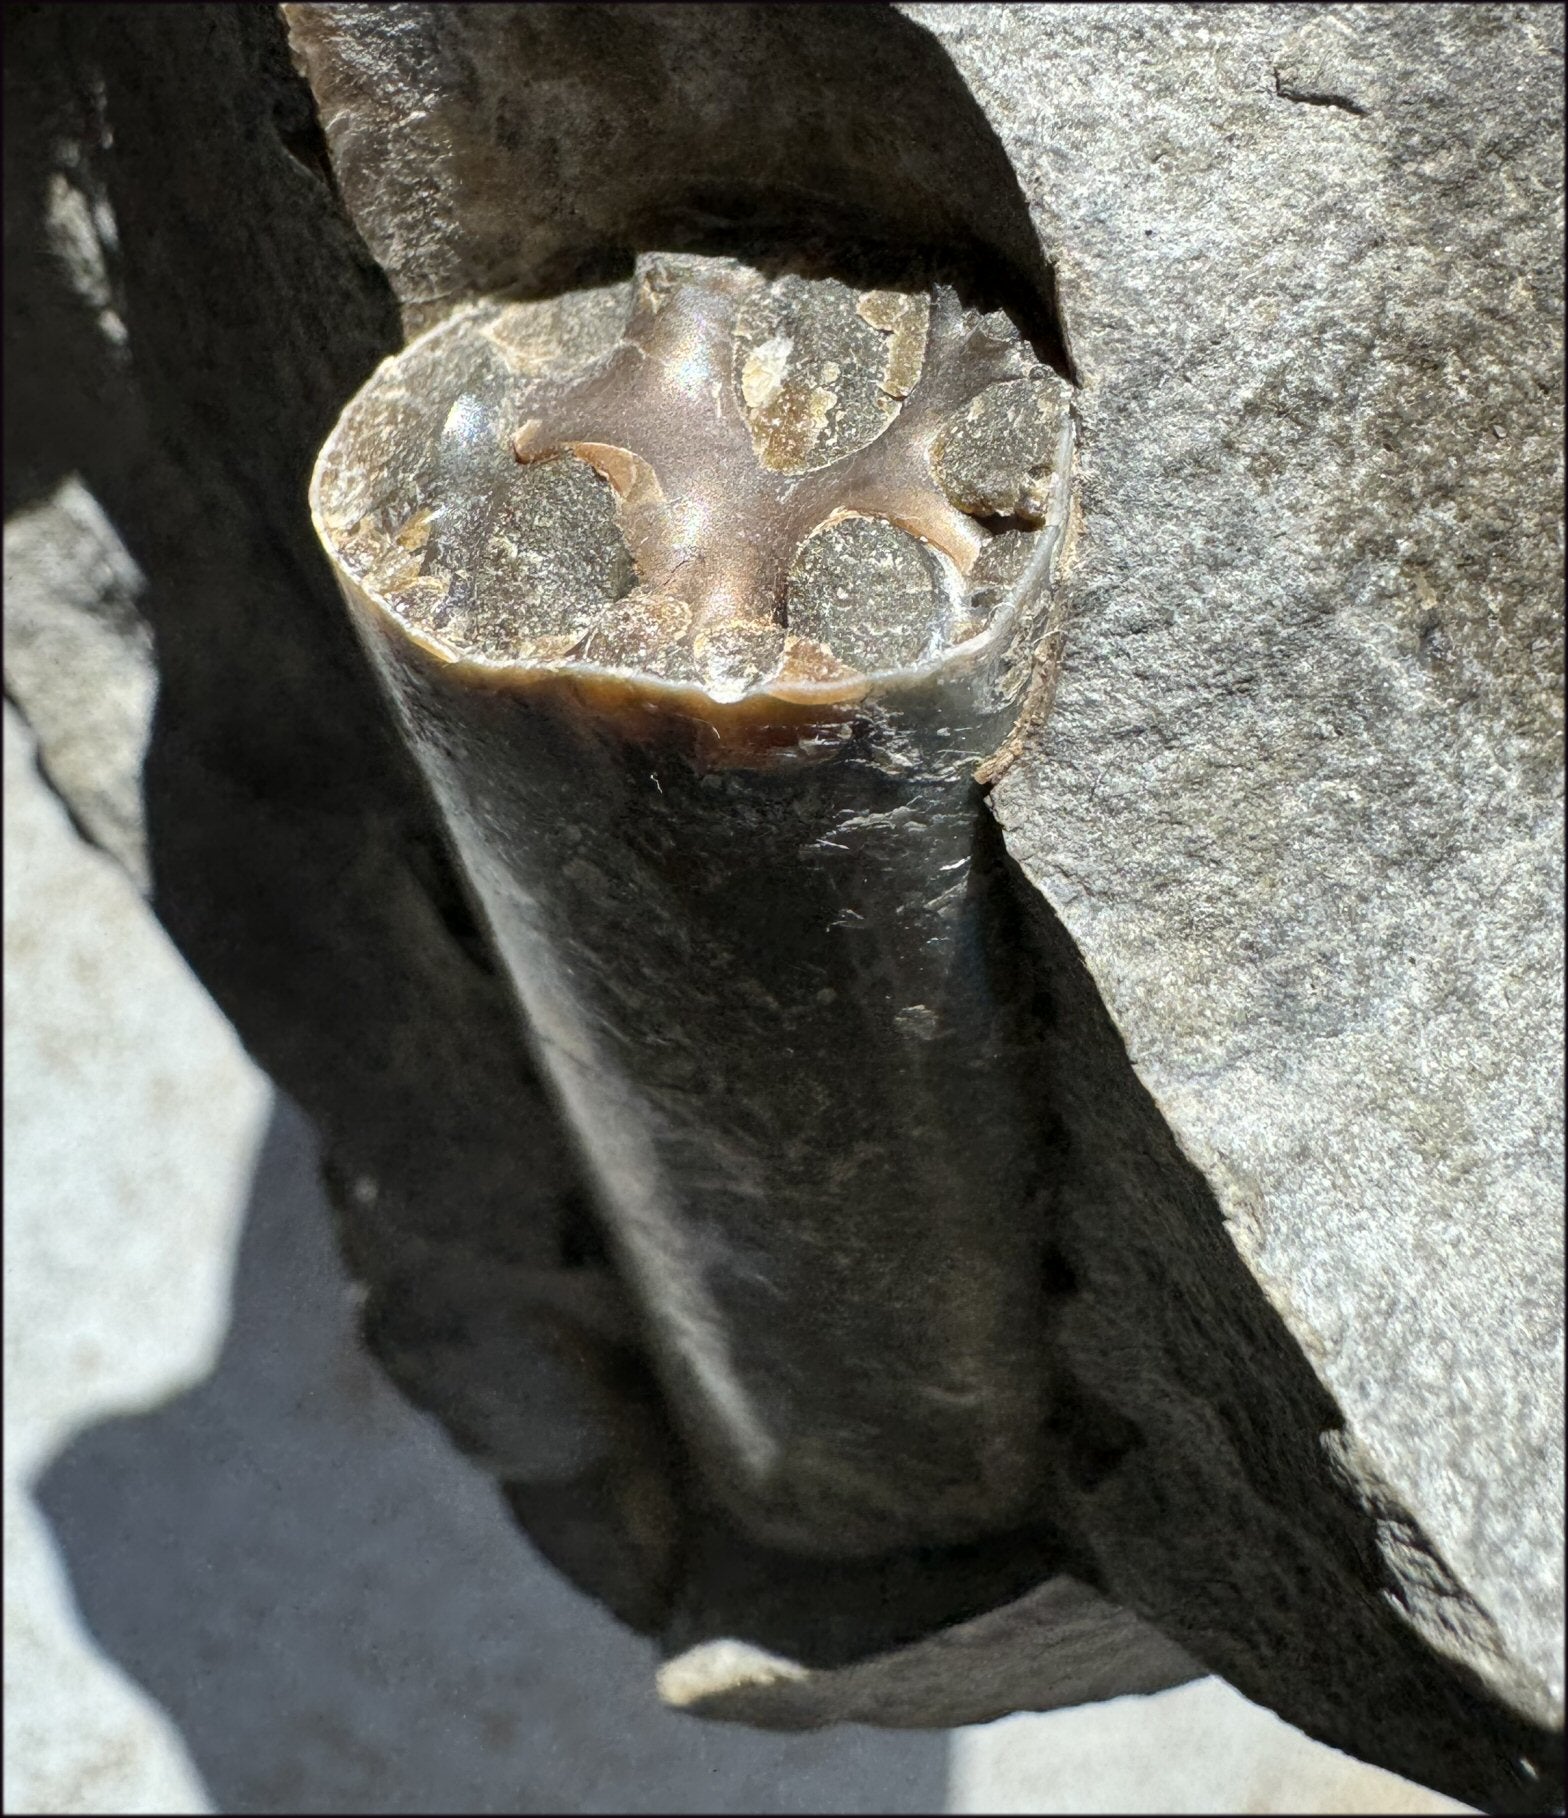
(702, 599)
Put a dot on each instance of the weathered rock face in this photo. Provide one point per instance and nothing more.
(1299, 805)
(1282, 857)
(77, 650)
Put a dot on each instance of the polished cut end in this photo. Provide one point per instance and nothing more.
(706, 477)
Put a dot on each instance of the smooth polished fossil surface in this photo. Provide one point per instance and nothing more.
(701, 599)
(707, 476)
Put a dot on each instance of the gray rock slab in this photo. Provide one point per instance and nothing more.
(78, 655)
(1117, 1757)
(1299, 801)
(132, 1116)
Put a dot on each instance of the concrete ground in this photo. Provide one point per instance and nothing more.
(242, 1576)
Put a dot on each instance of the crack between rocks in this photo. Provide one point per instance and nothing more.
(1287, 91)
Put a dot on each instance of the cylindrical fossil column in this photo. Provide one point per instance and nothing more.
(701, 598)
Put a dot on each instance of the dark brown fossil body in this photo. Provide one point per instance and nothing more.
(669, 589)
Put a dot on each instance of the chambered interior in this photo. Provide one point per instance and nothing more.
(707, 475)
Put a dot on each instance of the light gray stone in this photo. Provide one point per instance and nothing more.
(78, 659)
(1076, 1761)
(1299, 802)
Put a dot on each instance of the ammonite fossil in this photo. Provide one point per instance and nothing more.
(702, 598)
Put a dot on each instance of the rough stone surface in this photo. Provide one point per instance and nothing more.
(1056, 1646)
(512, 151)
(1294, 807)
(1299, 804)
(132, 1117)
(79, 654)
(291, 852)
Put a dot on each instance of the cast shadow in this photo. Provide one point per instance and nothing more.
(333, 1609)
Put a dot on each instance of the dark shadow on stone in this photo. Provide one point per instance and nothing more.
(569, 136)
(337, 1614)
(63, 383)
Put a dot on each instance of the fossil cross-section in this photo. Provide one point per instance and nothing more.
(701, 599)
(705, 477)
